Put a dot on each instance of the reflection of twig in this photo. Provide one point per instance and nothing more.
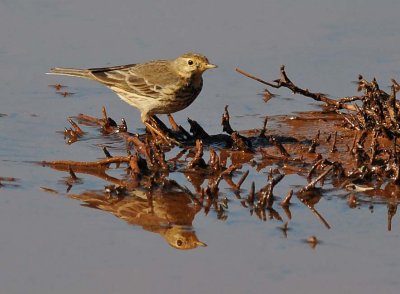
(97, 172)
(266, 194)
(286, 202)
(242, 179)
(284, 229)
(392, 208)
(315, 212)
(72, 164)
(251, 197)
(96, 168)
(321, 218)
(8, 179)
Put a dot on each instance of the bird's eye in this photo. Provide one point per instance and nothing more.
(179, 242)
(190, 62)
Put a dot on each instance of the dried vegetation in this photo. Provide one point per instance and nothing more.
(351, 145)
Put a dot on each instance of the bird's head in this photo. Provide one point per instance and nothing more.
(190, 64)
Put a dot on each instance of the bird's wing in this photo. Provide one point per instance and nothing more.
(112, 68)
(148, 79)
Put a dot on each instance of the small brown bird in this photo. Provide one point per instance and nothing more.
(154, 87)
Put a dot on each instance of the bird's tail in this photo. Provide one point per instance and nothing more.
(74, 72)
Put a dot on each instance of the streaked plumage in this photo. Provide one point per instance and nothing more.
(154, 87)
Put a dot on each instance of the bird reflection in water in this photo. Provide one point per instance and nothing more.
(168, 213)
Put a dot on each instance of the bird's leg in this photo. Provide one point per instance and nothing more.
(152, 130)
(155, 129)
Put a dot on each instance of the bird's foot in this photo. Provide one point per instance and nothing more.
(156, 131)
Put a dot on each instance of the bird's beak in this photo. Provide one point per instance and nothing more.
(199, 243)
(209, 65)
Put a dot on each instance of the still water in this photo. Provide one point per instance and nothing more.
(49, 243)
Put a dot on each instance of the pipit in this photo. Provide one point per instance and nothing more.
(154, 87)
